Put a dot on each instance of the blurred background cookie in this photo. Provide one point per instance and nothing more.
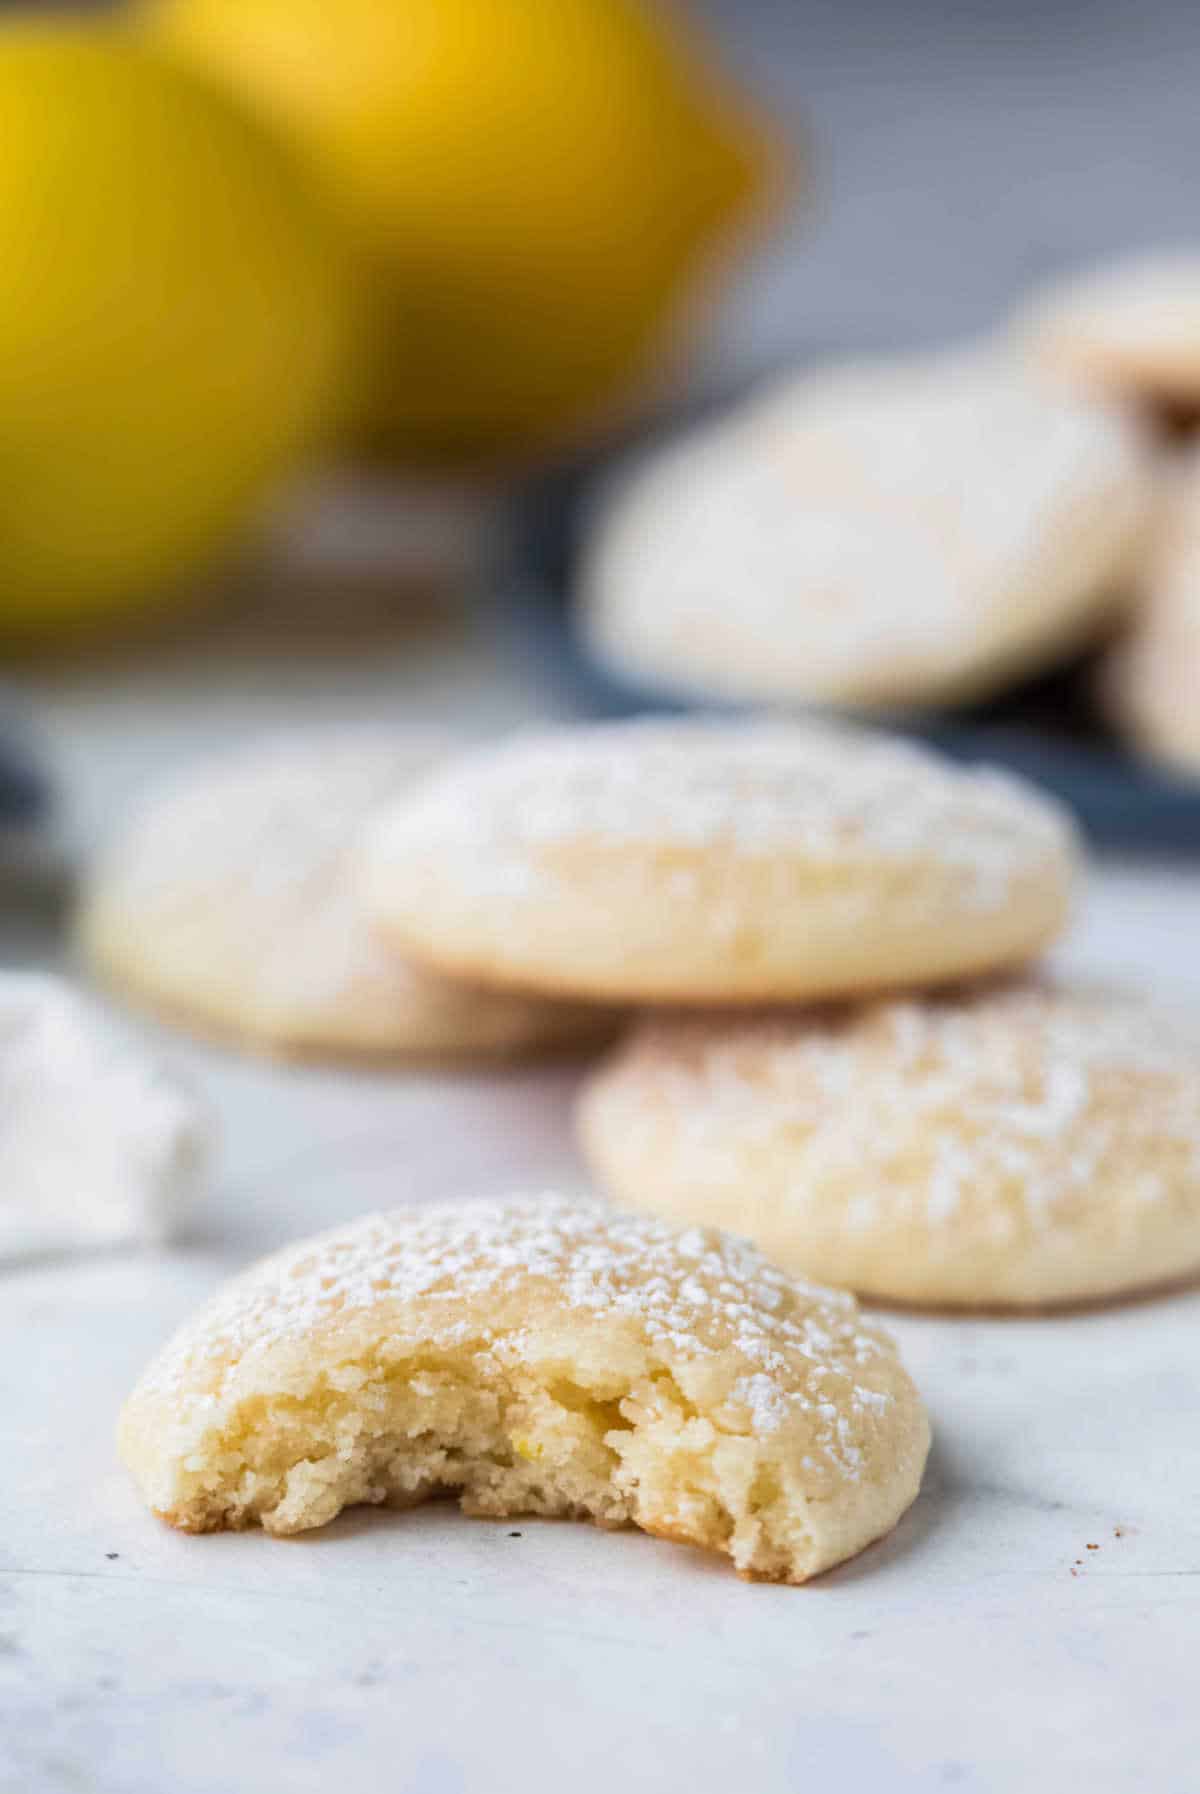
(717, 862)
(1151, 682)
(898, 534)
(1006, 1146)
(1129, 329)
(229, 901)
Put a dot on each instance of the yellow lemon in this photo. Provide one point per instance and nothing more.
(174, 323)
(535, 183)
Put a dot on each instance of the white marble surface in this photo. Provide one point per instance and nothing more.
(983, 1647)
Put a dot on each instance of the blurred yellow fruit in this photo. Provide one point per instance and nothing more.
(173, 324)
(535, 182)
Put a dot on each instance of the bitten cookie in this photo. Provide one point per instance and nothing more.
(229, 901)
(891, 535)
(1130, 329)
(1006, 1146)
(535, 1357)
(1151, 680)
(711, 862)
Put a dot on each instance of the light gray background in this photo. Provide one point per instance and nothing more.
(961, 151)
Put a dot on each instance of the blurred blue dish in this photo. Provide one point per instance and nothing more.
(25, 791)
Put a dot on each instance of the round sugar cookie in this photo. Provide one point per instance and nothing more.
(892, 535)
(1151, 680)
(1007, 1146)
(1130, 329)
(717, 862)
(535, 1356)
(229, 900)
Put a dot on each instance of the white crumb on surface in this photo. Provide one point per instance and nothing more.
(98, 1146)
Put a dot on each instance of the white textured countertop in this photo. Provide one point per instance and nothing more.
(986, 1646)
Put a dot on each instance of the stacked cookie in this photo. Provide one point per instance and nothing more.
(1151, 682)
(910, 533)
(1129, 330)
(1003, 1141)
(1129, 333)
(848, 1058)
(892, 535)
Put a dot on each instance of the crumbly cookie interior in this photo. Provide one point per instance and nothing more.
(511, 1444)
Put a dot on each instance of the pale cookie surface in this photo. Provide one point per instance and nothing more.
(230, 901)
(717, 862)
(536, 1356)
(1007, 1146)
(99, 1146)
(880, 536)
(1152, 679)
(1131, 329)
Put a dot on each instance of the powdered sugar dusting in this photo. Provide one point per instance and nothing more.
(692, 1295)
(829, 795)
(1025, 1096)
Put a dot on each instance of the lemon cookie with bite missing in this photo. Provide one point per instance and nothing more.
(1012, 1145)
(717, 862)
(536, 1356)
